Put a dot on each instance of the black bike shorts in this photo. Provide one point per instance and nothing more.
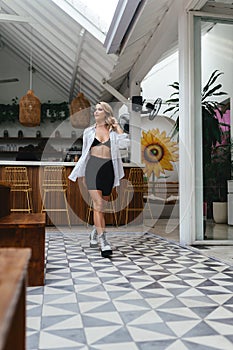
(100, 175)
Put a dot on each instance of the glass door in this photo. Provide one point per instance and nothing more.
(213, 45)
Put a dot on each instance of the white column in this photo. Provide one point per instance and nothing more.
(197, 122)
(186, 133)
(135, 125)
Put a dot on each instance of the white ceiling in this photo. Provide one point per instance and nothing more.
(68, 49)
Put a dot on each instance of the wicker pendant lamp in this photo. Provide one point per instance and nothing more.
(80, 111)
(29, 105)
(29, 109)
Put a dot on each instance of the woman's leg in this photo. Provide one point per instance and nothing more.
(99, 202)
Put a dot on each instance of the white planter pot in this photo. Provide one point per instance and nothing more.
(220, 212)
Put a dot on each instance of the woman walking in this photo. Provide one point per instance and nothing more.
(101, 166)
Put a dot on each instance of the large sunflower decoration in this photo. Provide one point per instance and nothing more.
(158, 151)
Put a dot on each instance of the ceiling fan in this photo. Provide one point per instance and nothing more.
(10, 80)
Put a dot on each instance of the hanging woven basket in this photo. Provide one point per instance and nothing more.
(80, 111)
(29, 109)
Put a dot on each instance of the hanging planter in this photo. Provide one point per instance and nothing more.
(80, 111)
(29, 109)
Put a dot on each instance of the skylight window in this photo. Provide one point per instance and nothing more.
(100, 12)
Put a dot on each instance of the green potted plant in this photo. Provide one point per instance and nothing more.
(216, 157)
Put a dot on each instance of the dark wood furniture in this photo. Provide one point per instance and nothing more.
(26, 231)
(13, 277)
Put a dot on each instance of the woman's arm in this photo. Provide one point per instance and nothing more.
(84, 139)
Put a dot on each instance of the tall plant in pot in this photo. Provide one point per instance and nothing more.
(212, 137)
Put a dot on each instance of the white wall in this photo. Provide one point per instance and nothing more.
(217, 53)
(156, 83)
(12, 66)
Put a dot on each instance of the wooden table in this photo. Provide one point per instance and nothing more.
(13, 278)
(26, 231)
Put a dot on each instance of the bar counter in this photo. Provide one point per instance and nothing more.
(77, 205)
(44, 163)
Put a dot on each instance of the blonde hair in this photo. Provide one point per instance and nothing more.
(108, 113)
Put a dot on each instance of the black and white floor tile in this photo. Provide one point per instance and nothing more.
(152, 294)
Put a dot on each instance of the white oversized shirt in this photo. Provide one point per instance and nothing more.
(116, 140)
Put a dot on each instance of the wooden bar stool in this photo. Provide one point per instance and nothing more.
(21, 191)
(135, 184)
(111, 209)
(55, 181)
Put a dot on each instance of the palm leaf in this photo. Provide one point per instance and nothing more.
(215, 77)
(206, 87)
(173, 100)
(220, 93)
(175, 93)
(169, 109)
(211, 80)
(210, 92)
(175, 85)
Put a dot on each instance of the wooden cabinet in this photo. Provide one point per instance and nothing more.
(13, 276)
(26, 231)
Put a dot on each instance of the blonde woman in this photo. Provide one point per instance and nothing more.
(101, 165)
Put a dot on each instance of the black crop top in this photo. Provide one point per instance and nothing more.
(96, 142)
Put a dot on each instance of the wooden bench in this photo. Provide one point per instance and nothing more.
(26, 231)
(13, 277)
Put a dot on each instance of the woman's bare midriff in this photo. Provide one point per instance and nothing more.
(101, 151)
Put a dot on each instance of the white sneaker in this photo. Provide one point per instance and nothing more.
(105, 246)
(94, 238)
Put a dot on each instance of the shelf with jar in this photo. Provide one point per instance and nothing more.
(29, 148)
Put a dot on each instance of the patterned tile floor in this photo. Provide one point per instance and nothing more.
(152, 294)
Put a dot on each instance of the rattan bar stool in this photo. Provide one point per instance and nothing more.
(21, 191)
(55, 181)
(135, 184)
(110, 209)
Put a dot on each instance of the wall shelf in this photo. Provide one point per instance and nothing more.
(6, 139)
(46, 147)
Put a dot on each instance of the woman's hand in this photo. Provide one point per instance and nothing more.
(115, 125)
